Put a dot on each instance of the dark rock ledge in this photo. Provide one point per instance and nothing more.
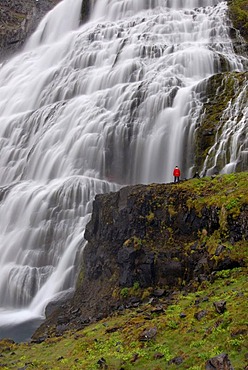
(144, 238)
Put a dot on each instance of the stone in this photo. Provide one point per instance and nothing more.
(220, 306)
(134, 358)
(112, 330)
(157, 309)
(199, 315)
(39, 340)
(60, 329)
(76, 312)
(158, 355)
(148, 334)
(219, 250)
(220, 362)
(176, 360)
(228, 264)
(158, 292)
(136, 265)
(102, 363)
(63, 320)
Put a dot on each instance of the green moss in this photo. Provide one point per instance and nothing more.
(229, 191)
(124, 293)
(80, 276)
(223, 221)
(172, 211)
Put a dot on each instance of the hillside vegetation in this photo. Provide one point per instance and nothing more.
(180, 337)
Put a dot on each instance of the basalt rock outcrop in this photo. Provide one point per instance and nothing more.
(18, 19)
(146, 239)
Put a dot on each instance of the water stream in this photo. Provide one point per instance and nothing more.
(85, 110)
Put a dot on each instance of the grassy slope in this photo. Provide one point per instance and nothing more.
(116, 338)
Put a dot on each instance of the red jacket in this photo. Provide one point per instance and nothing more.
(176, 172)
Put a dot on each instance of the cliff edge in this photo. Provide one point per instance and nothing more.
(148, 241)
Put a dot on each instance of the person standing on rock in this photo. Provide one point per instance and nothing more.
(176, 174)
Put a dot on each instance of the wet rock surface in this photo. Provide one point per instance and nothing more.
(18, 19)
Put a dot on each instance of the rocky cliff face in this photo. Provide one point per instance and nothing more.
(224, 93)
(146, 240)
(17, 21)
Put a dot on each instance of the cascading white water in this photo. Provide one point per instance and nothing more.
(62, 19)
(86, 110)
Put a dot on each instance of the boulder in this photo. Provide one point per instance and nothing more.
(148, 334)
(220, 306)
(220, 362)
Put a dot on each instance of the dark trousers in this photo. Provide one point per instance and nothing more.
(176, 178)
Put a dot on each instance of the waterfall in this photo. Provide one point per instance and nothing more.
(85, 110)
(58, 22)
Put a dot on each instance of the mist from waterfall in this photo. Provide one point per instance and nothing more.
(85, 110)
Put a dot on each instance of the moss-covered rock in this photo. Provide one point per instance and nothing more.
(220, 91)
(238, 11)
